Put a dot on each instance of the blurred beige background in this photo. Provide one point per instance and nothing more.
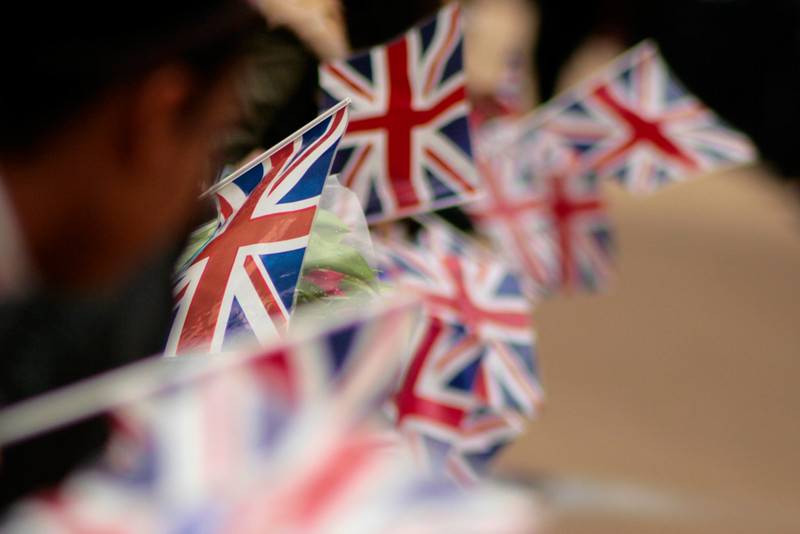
(674, 399)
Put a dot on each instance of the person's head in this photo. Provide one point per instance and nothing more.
(108, 123)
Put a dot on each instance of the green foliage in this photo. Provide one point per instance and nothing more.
(327, 252)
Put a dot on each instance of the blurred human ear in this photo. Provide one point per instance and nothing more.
(155, 111)
(175, 128)
(169, 135)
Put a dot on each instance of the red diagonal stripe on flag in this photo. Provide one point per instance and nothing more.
(409, 403)
(221, 252)
(511, 212)
(641, 130)
(470, 313)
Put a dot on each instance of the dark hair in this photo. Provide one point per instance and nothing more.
(281, 90)
(370, 23)
(60, 59)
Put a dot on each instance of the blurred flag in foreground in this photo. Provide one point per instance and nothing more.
(407, 147)
(635, 122)
(262, 443)
(241, 284)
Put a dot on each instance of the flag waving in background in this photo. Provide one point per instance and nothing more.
(545, 215)
(241, 284)
(474, 370)
(407, 147)
(634, 122)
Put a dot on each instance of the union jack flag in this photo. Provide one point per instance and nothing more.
(441, 410)
(407, 148)
(222, 453)
(474, 367)
(636, 123)
(241, 284)
(546, 215)
(468, 287)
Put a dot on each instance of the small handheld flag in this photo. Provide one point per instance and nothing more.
(546, 216)
(242, 282)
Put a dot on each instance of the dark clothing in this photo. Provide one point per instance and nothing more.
(371, 23)
(76, 55)
(49, 340)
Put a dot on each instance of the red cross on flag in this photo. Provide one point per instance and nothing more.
(635, 122)
(545, 215)
(240, 287)
(407, 148)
